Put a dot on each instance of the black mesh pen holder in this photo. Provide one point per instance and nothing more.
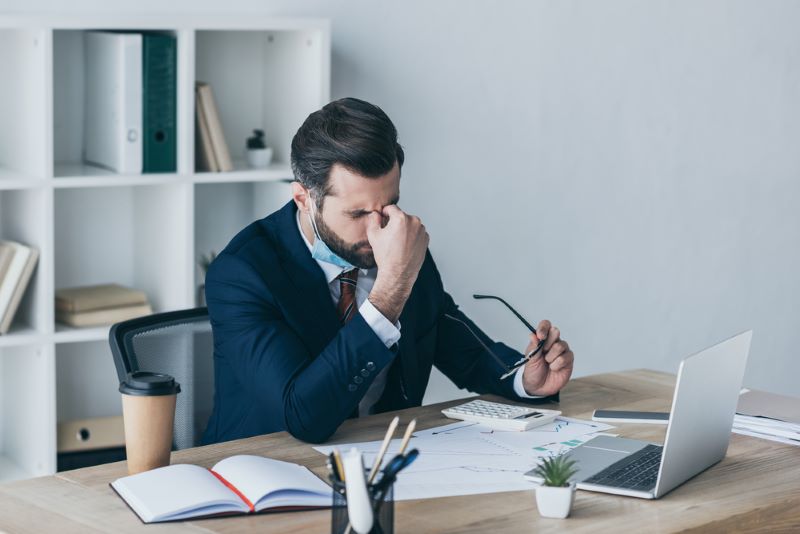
(382, 507)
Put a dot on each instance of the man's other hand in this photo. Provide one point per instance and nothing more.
(550, 370)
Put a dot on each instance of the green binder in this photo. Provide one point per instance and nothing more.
(159, 107)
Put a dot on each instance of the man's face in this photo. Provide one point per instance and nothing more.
(342, 221)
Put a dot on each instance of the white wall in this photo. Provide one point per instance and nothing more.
(628, 169)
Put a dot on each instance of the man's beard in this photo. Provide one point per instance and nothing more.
(353, 254)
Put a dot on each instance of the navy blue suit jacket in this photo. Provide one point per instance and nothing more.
(282, 360)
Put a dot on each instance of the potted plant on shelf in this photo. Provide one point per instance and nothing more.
(204, 261)
(258, 154)
(554, 497)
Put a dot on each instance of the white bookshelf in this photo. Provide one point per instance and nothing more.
(147, 231)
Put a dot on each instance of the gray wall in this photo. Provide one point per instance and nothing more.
(627, 169)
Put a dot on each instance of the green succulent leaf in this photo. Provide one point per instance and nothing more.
(556, 472)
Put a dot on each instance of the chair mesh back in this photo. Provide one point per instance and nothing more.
(186, 352)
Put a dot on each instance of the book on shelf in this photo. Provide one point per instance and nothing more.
(101, 304)
(97, 297)
(159, 107)
(106, 316)
(17, 263)
(113, 101)
(210, 115)
(204, 151)
(6, 255)
(241, 484)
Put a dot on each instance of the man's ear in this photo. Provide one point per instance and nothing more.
(301, 197)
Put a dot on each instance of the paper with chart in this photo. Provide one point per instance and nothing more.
(465, 458)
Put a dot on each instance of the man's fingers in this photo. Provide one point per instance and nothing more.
(563, 361)
(373, 223)
(555, 351)
(391, 210)
(552, 336)
(543, 329)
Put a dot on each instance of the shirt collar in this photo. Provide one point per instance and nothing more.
(330, 270)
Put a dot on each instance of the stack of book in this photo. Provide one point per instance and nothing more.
(212, 150)
(17, 262)
(100, 305)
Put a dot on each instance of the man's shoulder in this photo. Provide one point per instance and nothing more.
(258, 237)
(258, 245)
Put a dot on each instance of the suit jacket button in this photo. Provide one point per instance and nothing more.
(357, 379)
(364, 373)
(370, 366)
(352, 387)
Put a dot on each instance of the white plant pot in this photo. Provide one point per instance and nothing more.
(258, 158)
(555, 502)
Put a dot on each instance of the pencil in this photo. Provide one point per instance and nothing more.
(337, 457)
(407, 437)
(385, 445)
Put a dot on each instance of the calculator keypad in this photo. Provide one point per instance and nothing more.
(504, 416)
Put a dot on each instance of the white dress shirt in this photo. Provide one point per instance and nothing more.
(387, 332)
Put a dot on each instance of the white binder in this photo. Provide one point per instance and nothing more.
(113, 106)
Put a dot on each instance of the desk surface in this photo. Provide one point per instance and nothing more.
(757, 486)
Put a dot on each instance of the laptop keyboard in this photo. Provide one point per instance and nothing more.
(638, 471)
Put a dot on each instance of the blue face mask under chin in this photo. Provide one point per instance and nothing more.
(320, 251)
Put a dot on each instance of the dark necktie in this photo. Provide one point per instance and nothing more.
(347, 296)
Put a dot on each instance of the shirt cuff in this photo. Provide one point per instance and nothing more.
(386, 331)
(519, 389)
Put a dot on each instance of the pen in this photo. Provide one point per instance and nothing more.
(332, 467)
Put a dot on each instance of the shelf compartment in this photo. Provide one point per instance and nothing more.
(24, 143)
(27, 444)
(268, 80)
(21, 221)
(69, 94)
(86, 381)
(223, 209)
(134, 236)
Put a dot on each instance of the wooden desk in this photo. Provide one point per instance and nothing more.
(757, 486)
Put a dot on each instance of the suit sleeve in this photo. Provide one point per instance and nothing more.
(466, 362)
(314, 392)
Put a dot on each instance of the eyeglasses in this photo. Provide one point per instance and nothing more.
(510, 370)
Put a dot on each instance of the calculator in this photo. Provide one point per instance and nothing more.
(501, 416)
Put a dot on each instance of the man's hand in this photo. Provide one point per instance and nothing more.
(547, 372)
(399, 249)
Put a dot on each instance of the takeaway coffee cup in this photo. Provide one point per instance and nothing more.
(148, 412)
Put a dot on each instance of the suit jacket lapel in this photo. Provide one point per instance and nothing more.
(319, 319)
(314, 305)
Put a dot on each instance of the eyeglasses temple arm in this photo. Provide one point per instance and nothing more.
(520, 317)
(484, 345)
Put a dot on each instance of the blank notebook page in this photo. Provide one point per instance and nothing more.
(169, 491)
(266, 482)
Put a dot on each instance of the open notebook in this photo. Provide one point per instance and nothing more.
(237, 485)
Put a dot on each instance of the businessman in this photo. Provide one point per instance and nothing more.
(332, 307)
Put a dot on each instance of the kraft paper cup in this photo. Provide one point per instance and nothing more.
(148, 412)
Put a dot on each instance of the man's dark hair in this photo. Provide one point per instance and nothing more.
(353, 133)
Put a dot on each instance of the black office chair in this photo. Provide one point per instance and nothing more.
(178, 343)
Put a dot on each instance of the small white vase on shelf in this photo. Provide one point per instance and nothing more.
(258, 158)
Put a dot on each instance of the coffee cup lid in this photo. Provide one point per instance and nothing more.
(145, 383)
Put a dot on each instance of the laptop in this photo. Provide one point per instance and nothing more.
(698, 432)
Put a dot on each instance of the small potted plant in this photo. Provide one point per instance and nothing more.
(204, 261)
(554, 497)
(258, 154)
